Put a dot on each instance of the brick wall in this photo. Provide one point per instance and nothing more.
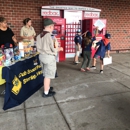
(117, 13)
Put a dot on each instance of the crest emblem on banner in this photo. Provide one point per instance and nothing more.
(17, 86)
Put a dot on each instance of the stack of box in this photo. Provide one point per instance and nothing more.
(2, 58)
(25, 48)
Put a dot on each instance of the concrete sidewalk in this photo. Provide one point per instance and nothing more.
(84, 101)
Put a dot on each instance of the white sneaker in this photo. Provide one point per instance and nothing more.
(93, 67)
(77, 62)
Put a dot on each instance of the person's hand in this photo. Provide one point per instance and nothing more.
(97, 27)
(30, 37)
(56, 43)
(60, 48)
(108, 56)
(16, 44)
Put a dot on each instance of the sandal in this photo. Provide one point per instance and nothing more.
(83, 70)
(88, 69)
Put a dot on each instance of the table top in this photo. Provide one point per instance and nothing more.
(2, 81)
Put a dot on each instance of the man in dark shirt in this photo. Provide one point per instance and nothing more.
(78, 43)
(6, 35)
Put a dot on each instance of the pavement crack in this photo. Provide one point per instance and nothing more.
(120, 71)
(123, 85)
(74, 100)
(62, 114)
(25, 115)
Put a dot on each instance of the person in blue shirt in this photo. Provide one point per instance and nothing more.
(78, 43)
(103, 47)
(88, 41)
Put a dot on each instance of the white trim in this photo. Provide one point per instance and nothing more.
(69, 55)
(71, 7)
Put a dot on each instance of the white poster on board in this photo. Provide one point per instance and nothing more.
(99, 24)
(72, 16)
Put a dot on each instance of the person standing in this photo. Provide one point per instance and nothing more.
(7, 37)
(48, 48)
(88, 41)
(78, 43)
(27, 32)
(104, 46)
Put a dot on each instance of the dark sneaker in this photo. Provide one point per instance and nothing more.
(101, 71)
(93, 67)
(50, 94)
(51, 88)
(75, 63)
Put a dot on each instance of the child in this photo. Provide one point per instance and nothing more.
(104, 45)
(88, 40)
(78, 43)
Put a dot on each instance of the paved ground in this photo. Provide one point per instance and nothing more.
(84, 101)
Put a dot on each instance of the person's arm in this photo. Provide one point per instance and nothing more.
(108, 53)
(94, 38)
(60, 48)
(77, 41)
(84, 33)
(96, 33)
(29, 38)
(13, 37)
(34, 33)
(57, 45)
(56, 48)
(108, 50)
(97, 44)
(78, 46)
(15, 40)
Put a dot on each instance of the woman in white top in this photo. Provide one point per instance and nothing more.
(27, 31)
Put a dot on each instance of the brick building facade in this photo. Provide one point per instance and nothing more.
(117, 13)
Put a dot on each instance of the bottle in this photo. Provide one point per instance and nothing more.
(54, 43)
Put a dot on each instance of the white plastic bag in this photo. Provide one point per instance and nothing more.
(107, 61)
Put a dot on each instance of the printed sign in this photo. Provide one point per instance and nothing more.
(68, 7)
(91, 14)
(50, 12)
